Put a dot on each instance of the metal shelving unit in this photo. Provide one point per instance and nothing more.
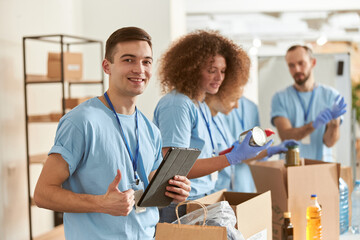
(64, 41)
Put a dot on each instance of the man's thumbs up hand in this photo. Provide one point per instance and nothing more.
(115, 202)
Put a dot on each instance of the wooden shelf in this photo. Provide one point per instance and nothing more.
(35, 78)
(55, 234)
(85, 82)
(64, 84)
(32, 78)
(52, 117)
(38, 158)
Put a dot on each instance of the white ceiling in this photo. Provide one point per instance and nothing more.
(274, 22)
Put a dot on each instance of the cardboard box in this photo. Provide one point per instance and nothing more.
(291, 189)
(73, 66)
(70, 103)
(252, 210)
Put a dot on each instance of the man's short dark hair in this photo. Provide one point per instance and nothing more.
(123, 35)
(307, 49)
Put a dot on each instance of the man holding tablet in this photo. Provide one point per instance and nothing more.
(105, 152)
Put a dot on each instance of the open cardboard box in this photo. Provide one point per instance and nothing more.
(252, 210)
(291, 189)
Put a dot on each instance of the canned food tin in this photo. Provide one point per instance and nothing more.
(293, 156)
(258, 137)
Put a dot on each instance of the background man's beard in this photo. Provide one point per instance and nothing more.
(299, 81)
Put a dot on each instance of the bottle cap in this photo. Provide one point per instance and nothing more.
(292, 146)
(287, 214)
(313, 195)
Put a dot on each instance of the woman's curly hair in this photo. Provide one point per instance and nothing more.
(180, 65)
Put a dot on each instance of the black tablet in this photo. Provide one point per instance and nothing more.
(177, 161)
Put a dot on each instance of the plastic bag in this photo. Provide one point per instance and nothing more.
(218, 214)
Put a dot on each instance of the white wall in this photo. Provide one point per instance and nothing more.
(19, 18)
(100, 20)
(89, 18)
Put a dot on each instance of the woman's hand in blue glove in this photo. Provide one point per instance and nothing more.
(282, 147)
(244, 150)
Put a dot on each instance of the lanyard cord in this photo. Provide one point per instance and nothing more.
(133, 160)
(208, 128)
(242, 112)
(306, 112)
(221, 133)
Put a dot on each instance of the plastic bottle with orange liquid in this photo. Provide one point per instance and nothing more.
(313, 217)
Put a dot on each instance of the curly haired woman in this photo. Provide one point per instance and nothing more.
(195, 65)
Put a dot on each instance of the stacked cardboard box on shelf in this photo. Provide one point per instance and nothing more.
(73, 65)
(70, 103)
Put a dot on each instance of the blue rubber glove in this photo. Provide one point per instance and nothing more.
(282, 147)
(243, 150)
(323, 118)
(339, 107)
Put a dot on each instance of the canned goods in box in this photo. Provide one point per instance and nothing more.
(293, 156)
(258, 137)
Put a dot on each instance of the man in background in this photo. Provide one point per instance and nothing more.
(307, 111)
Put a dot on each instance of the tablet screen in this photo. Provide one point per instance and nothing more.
(177, 161)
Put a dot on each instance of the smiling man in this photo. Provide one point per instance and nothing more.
(105, 150)
(307, 111)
